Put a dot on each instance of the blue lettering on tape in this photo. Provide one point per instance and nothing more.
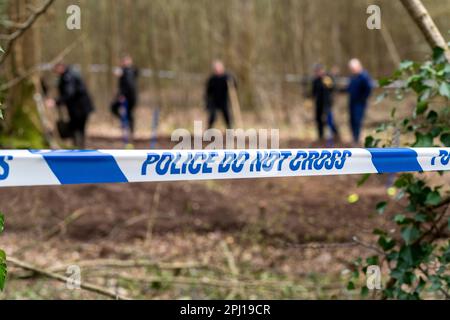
(201, 162)
(444, 158)
(4, 166)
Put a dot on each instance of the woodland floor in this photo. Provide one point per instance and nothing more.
(258, 238)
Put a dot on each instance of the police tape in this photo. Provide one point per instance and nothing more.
(55, 167)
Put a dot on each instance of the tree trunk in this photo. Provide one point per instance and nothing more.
(423, 20)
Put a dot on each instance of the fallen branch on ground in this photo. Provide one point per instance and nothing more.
(60, 278)
(139, 263)
(62, 226)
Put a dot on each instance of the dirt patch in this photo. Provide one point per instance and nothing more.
(290, 209)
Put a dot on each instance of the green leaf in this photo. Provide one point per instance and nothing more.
(444, 90)
(406, 64)
(410, 234)
(420, 217)
(400, 218)
(350, 285)
(445, 139)
(371, 142)
(364, 291)
(423, 140)
(436, 131)
(384, 82)
(381, 206)
(438, 55)
(433, 198)
(363, 179)
(386, 243)
(421, 107)
(2, 222)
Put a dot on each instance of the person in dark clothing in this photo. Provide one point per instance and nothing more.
(74, 95)
(359, 90)
(217, 96)
(322, 92)
(128, 88)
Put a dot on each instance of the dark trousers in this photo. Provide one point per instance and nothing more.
(213, 115)
(357, 112)
(319, 120)
(324, 116)
(130, 114)
(78, 129)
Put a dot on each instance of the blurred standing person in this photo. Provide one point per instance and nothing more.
(322, 92)
(359, 90)
(127, 94)
(74, 95)
(217, 95)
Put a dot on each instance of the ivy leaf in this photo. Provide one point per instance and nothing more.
(420, 217)
(436, 131)
(433, 198)
(350, 286)
(444, 90)
(438, 55)
(410, 234)
(445, 139)
(406, 64)
(381, 206)
(421, 107)
(363, 179)
(384, 82)
(2, 222)
(400, 218)
(423, 140)
(386, 243)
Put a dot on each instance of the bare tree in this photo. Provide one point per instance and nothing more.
(426, 24)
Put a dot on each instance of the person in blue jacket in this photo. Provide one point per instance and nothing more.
(359, 90)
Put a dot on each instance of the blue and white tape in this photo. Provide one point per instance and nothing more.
(55, 167)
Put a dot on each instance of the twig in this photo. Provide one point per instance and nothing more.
(36, 69)
(445, 293)
(12, 38)
(153, 213)
(368, 246)
(224, 283)
(139, 263)
(63, 224)
(233, 269)
(60, 278)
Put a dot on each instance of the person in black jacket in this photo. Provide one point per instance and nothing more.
(74, 95)
(128, 88)
(322, 92)
(217, 98)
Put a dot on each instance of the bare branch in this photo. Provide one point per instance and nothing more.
(13, 37)
(60, 278)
